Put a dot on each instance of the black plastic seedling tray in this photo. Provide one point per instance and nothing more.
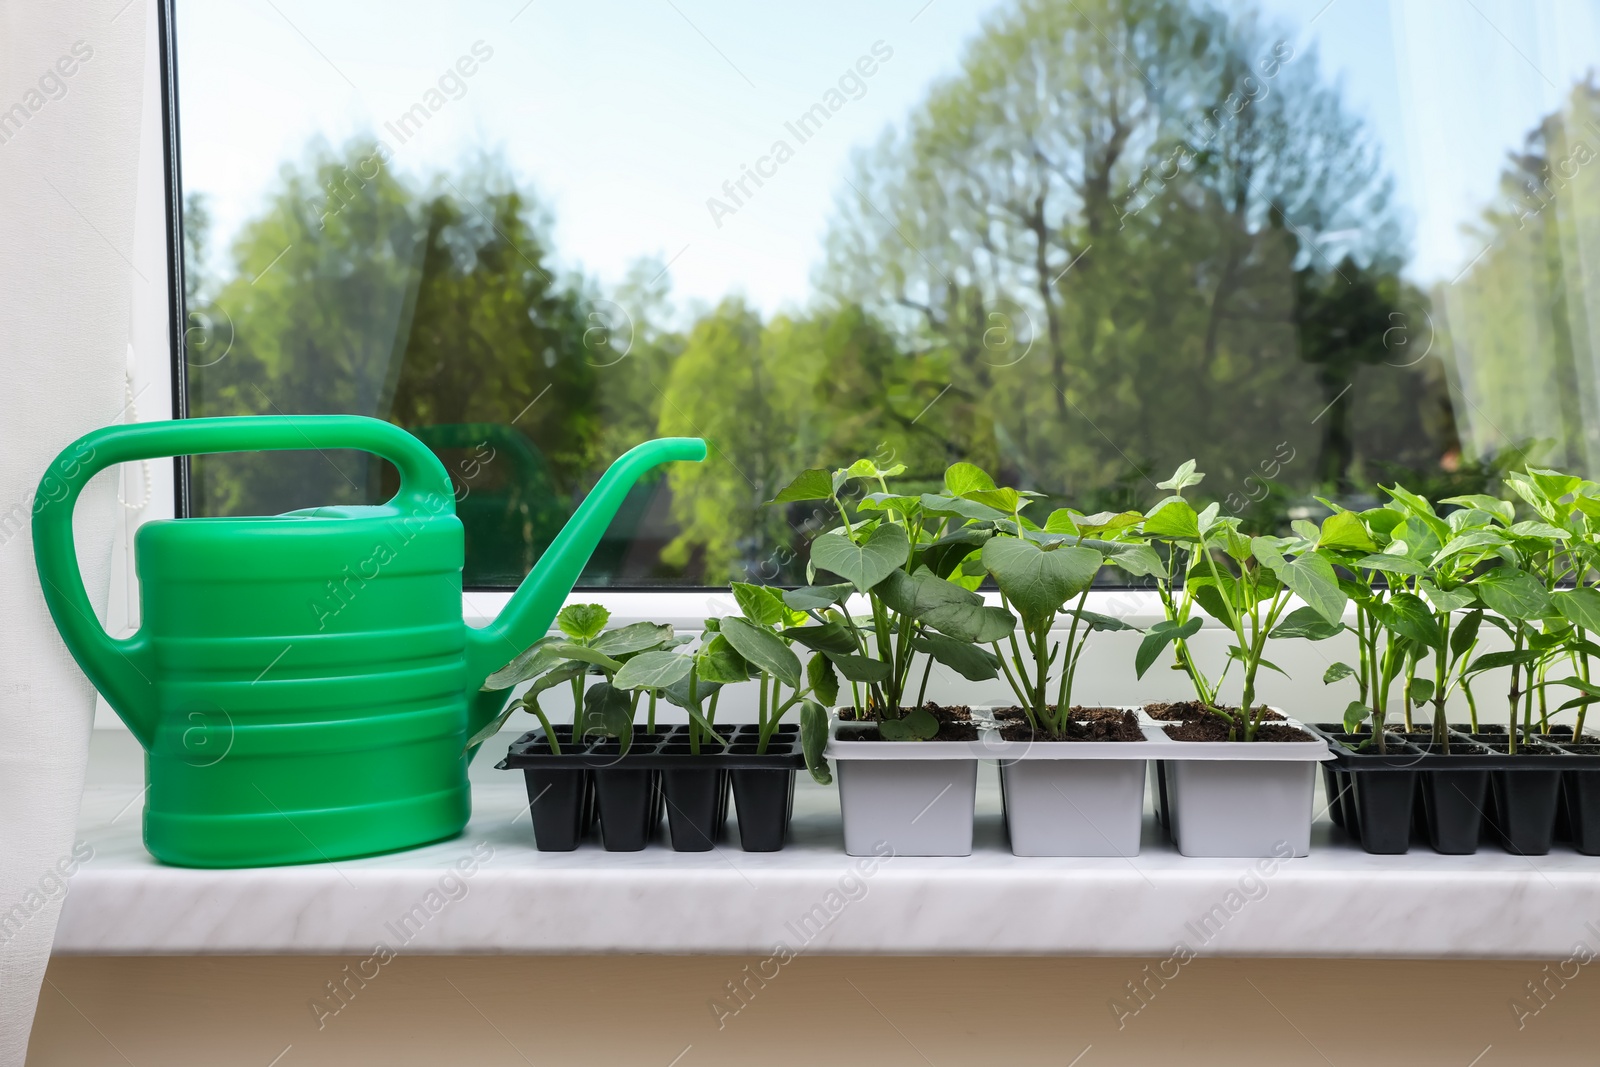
(1478, 791)
(627, 794)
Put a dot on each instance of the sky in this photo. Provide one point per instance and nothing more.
(626, 117)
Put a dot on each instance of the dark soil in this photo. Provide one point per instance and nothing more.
(1213, 728)
(955, 724)
(1192, 710)
(1077, 713)
(1503, 748)
(1124, 726)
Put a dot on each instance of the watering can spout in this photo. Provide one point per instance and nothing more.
(533, 607)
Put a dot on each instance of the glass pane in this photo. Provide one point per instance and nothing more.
(1314, 245)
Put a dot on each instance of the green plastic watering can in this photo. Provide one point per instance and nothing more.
(304, 684)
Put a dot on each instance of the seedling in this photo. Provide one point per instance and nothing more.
(900, 554)
(1246, 583)
(584, 647)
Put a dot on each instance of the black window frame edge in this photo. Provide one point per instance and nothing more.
(172, 173)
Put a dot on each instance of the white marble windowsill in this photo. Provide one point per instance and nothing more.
(1336, 902)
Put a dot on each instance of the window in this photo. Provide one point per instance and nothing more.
(1316, 245)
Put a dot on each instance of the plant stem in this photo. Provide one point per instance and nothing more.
(1441, 728)
(1069, 663)
(549, 731)
(1011, 679)
(1515, 693)
(694, 702)
(1583, 672)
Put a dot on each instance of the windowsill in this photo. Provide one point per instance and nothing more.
(1336, 902)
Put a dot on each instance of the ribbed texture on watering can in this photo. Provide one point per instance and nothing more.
(346, 655)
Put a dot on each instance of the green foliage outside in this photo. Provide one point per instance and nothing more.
(1124, 233)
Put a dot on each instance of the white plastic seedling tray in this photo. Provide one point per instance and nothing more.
(1156, 745)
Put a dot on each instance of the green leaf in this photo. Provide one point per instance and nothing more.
(1215, 597)
(1500, 509)
(1158, 637)
(1494, 660)
(945, 554)
(1175, 520)
(1139, 560)
(1540, 531)
(533, 661)
(828, 637)
(1580, 606)
(815, 597)
(1101, 522)
(1382, 521)
(1307, 623)
(760, 604)
(1182, 478)
(1235, 652)
(529, 700)
(1345, 530)
(1355, 713)
(588, 655)
(608, 711)
(824, 682)
(763, 649)
(963, 478)
(1337, 672)
(883, 552)
(1465, 634)
(814, 740)
(968, 660)
(1309, 576)
(1408, 616)
(492, 727)
(1420, 509)
(1038, 583)
(1514, 593)
(1421, 690)
(909, 506)
(1445, 599)
(859, 668)
(812, 484)
(635, 637)
(1096, 621)
(653, 670)
(956, 507)
(1574, 682)
(1006, 501)
(720, 661)
(678, 692)
(944, 606)
(918, 724)
(866, 468)
(583, 622)
(1392, 564)
(1476, 541)
(1554, 484)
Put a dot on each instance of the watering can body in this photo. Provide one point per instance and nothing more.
(304, 684)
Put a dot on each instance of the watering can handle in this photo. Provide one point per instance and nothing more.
(122, 670)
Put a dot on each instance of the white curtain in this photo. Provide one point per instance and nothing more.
(71, 77)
